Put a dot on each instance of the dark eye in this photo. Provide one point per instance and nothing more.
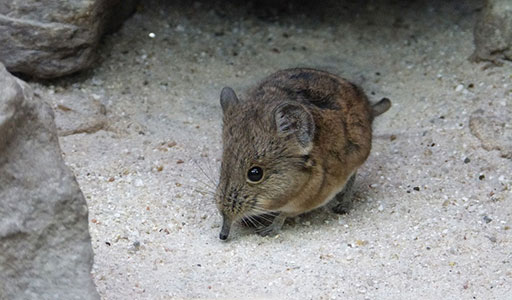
(255, 174)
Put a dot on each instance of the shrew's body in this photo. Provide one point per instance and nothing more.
(291, 145)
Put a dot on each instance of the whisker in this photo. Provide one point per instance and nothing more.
(212, 181)
(253, 220)
(212, 170)
(205, 192)
(194, 188)
(261, 210)
(247, 220)
(206, 184)
(265, 218)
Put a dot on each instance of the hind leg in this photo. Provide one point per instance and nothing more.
(342, 199)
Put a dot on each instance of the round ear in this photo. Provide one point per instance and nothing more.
(294, 119)
(228, 98)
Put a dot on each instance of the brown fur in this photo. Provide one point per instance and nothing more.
(325, 136)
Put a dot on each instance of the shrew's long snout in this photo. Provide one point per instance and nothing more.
(226, 227)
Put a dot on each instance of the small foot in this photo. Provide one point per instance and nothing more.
(341, 208)
(274, 228)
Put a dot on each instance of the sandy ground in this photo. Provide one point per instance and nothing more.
(432, 211)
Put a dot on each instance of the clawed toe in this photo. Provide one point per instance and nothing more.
(267, 231)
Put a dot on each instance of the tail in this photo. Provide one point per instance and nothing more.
(381, 107)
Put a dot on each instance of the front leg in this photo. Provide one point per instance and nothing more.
(274, 228)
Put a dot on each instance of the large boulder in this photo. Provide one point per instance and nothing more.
(493, 32)
(51, 38)
(45, 246)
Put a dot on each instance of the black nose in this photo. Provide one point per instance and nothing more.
(226, 226)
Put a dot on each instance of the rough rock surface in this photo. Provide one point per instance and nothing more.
(54, 38)
(494, 130)
(493, 32)
(45, 246)
(78, 113)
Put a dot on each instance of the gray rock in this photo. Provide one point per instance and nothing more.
(494, 130)
(493, 32)
(78, 113)
(49, 38)
(45, 246)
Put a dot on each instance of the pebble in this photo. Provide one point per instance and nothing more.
(361, 242)
(459, 88)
